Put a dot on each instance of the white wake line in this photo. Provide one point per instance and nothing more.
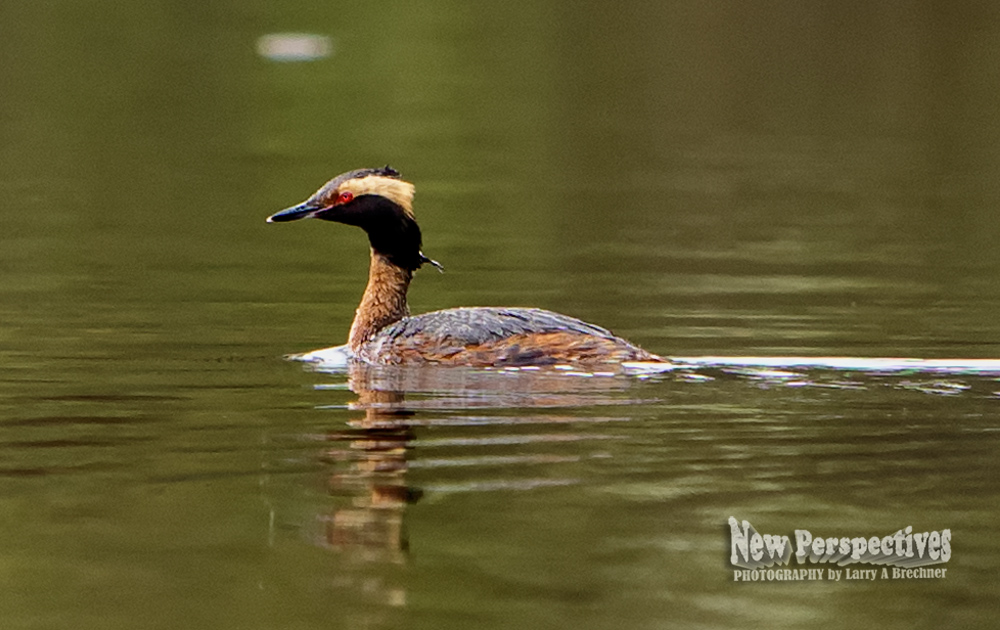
(860, 364)
(339, 357)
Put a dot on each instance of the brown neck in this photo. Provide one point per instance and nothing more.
(384, 301)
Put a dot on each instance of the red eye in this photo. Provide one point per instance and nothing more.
(345, 197)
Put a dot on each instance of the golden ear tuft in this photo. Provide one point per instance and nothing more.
(395, 190)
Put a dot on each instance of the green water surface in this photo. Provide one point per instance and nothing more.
(706, 178)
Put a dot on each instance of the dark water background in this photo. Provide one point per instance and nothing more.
(716, 178)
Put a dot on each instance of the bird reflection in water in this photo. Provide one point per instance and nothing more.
(376, 446)
(464, 429)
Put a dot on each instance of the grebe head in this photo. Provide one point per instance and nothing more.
(377, 201)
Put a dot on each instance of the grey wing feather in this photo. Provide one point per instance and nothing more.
(476, 325)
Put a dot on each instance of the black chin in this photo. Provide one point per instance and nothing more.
(391, 231)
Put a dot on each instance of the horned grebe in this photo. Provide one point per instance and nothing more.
(383, 332)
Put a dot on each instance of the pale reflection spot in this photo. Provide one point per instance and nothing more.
(294, 46)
